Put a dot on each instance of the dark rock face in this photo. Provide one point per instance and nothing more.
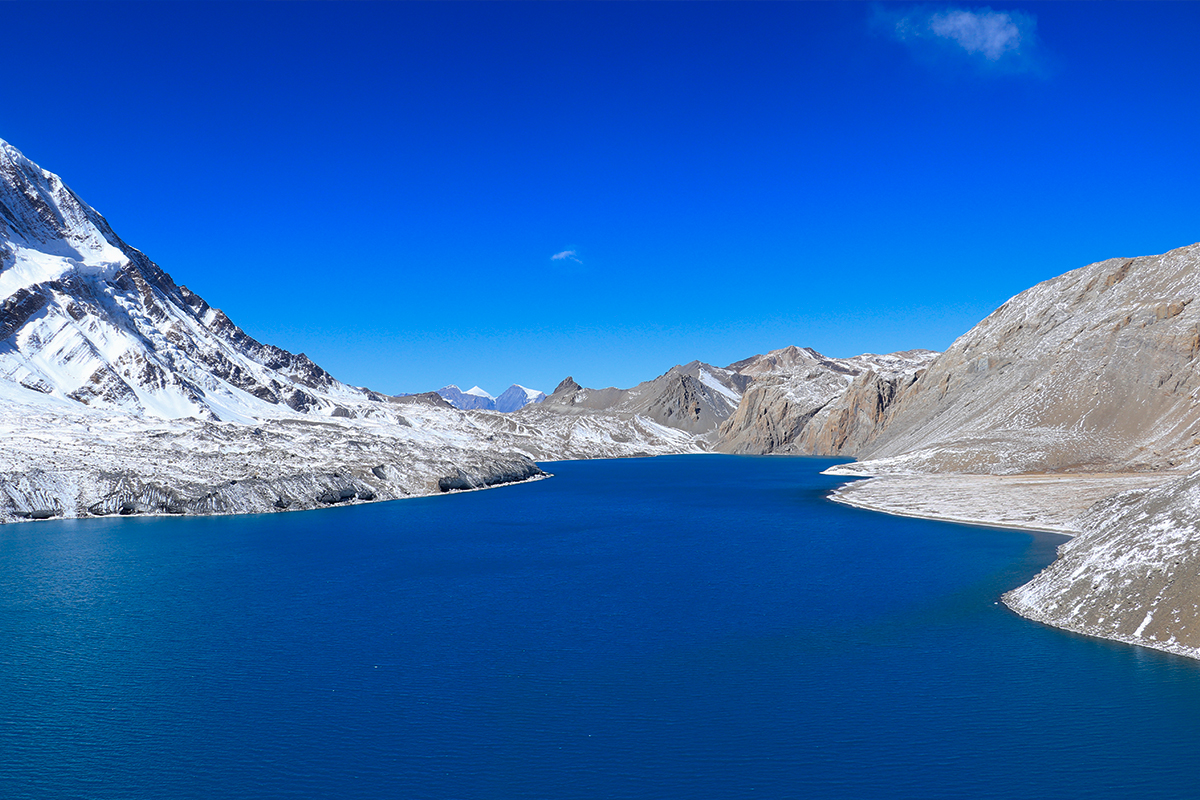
(331, 496)
(424, 398)
(505, 471)
(566, 387)
(16, 310)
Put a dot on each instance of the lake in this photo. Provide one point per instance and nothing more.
(682, 627)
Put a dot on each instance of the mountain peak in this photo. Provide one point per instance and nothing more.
(568, 385)
(518, 396)
(88, 319)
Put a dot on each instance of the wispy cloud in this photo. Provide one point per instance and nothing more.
(989, 33)
(993, 39)
(566, 255)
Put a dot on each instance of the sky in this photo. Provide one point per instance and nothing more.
(423, 194)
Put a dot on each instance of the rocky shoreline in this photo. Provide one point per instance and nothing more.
(1123, 575)
(39, 495)
(89, 465)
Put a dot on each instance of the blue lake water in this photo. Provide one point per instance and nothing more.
(690, 627)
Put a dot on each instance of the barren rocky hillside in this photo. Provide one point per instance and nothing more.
(1095, 370)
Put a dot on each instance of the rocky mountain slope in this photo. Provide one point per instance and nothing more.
(1131, 574)
(1094, 370)
(802, 402)
(693, 397)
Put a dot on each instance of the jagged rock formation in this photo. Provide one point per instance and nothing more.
(802, 402)
(851, 421)
(1094, 370)
(761, 404)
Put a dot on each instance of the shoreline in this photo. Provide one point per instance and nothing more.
(839, 496)
(150, 500)
(1056, 504)
(1045, 503)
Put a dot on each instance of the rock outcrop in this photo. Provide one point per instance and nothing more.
(801, 402)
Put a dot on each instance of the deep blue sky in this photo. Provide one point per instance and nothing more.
(383, 186)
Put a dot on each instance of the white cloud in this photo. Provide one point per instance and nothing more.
(566, 255)
(988, 32)
(1004, 39)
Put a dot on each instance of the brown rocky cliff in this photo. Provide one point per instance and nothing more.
(855, 418)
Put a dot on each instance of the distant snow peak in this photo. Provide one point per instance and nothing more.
(475, 398)
(518, 396)
(467, 401)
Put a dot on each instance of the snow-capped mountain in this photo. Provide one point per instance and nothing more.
(85, 318)
(518, 396)
(475, 398)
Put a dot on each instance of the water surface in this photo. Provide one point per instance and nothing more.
(701, 626)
